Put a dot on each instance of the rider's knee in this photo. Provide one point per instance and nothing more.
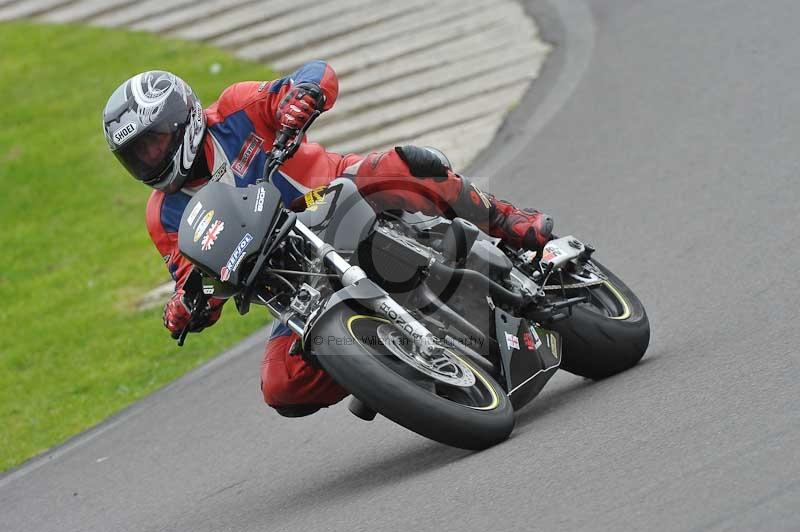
(424, 161)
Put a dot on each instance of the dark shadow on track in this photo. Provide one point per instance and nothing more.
(549, 403)
(425, 456)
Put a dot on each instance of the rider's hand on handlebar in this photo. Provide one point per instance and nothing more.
(177, 314)
(298, 105)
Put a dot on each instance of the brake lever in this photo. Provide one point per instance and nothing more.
(193, 284)
(192, 317)
(280, 151)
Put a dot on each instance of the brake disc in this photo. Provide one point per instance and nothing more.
(444, 367)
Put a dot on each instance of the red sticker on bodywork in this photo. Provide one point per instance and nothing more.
(529, 343)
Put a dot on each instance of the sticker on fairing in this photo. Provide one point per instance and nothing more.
(194, 213)
(260, 200)
(537, 340)
(202, 225)
(314, 198)
(550, 253)
(211, 235)
(512, 342)
(528, 338)
(238, 254)
(122, 134)
(197, 221)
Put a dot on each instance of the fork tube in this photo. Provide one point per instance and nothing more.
(348, 273)
(385, 306)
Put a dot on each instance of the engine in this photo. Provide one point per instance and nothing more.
(486, 258)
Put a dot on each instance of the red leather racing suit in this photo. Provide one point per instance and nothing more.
(241, 127)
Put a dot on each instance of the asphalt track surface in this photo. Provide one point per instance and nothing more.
(666, 134)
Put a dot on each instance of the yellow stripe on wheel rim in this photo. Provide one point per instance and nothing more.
(626, 312)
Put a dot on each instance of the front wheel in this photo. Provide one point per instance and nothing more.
(607, 335)
(453, 401)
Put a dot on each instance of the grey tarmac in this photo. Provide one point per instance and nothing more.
(666, 134)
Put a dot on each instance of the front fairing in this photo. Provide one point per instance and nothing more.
(223, 227)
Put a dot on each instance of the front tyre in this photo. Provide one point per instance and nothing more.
(470, 413)
(607, 335)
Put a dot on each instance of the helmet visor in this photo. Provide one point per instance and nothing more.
(150, 155)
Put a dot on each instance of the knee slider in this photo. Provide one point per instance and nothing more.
(296, 410)
(424, 162)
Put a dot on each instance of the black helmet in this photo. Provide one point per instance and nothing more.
(154, 125)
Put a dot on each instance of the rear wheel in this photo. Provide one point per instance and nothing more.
(607, 335)
(451, 399)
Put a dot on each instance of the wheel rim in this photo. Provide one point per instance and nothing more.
(480, 395)
(606, 300)
(626, 308)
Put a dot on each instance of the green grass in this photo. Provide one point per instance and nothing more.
(74, 252)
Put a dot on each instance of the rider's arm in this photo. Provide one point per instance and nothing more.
(260, 101)
(163, 216)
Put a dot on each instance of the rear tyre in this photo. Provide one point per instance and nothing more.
(607, 335)
(470, 417)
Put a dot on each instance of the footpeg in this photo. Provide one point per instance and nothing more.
(361, 410)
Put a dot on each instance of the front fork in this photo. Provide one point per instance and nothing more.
(385, 305)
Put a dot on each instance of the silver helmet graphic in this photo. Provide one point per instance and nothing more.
(154, 125)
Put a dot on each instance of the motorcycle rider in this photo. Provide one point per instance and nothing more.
(158, 130)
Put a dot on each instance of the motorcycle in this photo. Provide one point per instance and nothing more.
(428, 321)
